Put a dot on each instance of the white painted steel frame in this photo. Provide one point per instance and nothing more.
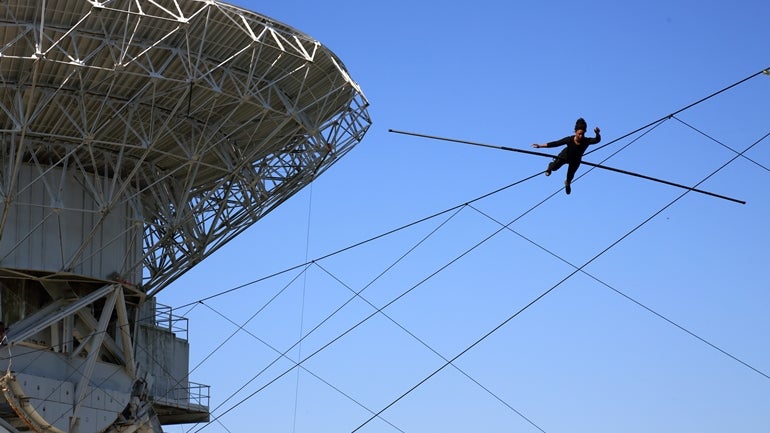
(204, 117)
(173, 124)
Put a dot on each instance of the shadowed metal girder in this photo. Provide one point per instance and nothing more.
(181, 122)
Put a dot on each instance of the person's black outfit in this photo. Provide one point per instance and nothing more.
(572, 154)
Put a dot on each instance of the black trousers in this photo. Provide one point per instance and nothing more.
(562, 159)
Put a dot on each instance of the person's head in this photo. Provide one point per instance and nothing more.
(580, 127)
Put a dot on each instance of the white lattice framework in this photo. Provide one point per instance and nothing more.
(194, 118)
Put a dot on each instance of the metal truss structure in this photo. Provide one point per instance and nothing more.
(136, 138)
(198, 117)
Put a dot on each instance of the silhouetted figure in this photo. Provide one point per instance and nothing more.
(573, 153)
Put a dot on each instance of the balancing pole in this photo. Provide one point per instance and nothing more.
(604, 167)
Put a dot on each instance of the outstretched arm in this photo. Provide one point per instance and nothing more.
(556, 143)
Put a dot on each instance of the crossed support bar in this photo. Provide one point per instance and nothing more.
(604, 167)
(59, 316)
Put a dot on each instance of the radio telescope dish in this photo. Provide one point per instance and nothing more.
(136, 138)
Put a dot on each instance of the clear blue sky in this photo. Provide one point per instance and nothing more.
(668, 330)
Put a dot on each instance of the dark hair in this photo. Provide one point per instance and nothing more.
(581, 124)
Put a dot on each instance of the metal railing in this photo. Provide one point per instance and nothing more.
(190, 395)
(199, 394)
(165, 319)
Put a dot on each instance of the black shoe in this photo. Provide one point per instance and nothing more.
(548, 172)
(567, 187)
